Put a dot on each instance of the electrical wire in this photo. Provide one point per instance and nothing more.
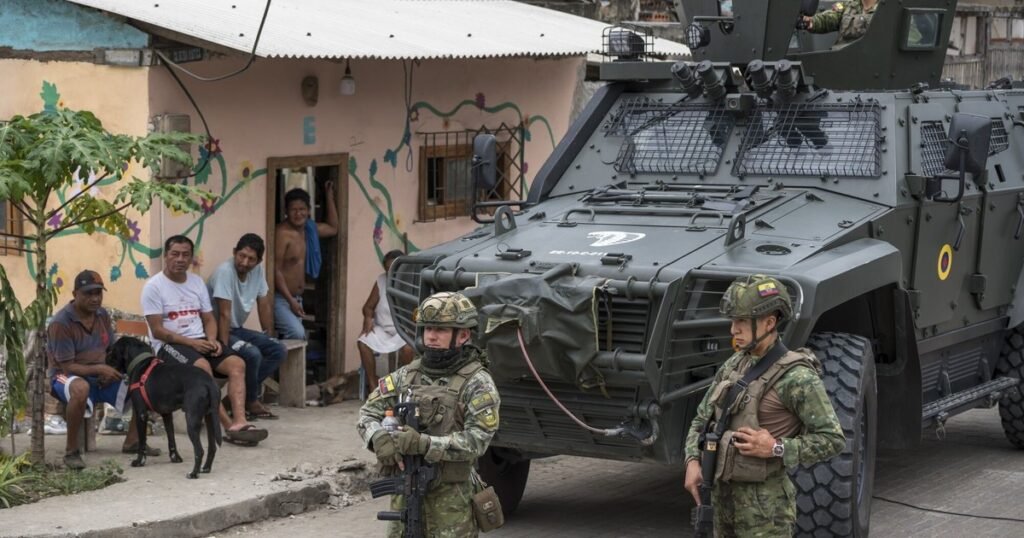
(923, 509)
(209, 136)
(407, 96)
(611, 432)
(252, 56)
(171, 66)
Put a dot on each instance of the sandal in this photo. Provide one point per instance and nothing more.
(249, 434)
(262, 414)
(134, 449)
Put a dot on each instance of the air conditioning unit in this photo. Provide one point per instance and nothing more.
(174, 123)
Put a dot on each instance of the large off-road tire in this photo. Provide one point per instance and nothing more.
(507, 471)
(834, 496)
(1011, 406)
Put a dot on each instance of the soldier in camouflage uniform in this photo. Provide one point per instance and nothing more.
(850, 18)
(783, 418)
(458, 406)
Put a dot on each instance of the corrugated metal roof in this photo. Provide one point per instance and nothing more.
(387, 29)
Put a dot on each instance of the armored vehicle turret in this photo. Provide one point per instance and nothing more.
(895, 218)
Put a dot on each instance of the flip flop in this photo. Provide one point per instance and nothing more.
(260, 415)
(134, 449)
(249, 435)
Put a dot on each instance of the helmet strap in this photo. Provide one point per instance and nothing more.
(754, 338)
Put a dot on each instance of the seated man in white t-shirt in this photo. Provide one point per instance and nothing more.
(183, 329)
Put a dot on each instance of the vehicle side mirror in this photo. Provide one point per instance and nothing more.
(485, 162)
(808, 7)
(967, 151)
(969, 136)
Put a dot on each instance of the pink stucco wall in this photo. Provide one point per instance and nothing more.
(261, 114)
(117, 96)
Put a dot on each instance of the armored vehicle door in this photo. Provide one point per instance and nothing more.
(1001, 254)
(969, 254)
(946, 247)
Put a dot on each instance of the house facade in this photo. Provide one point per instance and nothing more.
(392, 130)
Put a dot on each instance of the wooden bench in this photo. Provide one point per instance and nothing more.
(292, 374)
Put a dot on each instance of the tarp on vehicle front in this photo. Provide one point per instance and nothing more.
(558, 320)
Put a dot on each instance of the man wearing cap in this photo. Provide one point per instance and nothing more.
(77, 342)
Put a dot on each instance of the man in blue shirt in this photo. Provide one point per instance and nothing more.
(237, 286)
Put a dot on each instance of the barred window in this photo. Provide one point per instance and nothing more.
(10, 224)
(446, 188)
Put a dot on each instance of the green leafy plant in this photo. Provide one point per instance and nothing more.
(62, 481)
(42, 155)
(12, 477)
(22, 483)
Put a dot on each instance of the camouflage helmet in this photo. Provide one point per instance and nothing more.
(446, 309)
(755, 296)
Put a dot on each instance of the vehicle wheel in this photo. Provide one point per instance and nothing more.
(1011, 406)
(834, 497)
(507, 471)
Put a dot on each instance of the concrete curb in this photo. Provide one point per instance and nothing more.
(306, 495)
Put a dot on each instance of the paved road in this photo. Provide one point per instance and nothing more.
(974, 470)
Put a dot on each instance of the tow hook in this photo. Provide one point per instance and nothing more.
(644, 425)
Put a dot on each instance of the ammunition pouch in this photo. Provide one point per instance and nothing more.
(731, 466)
(454, 471)
(487, 510)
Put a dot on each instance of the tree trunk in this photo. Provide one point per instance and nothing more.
(5, 393)
(35, 352)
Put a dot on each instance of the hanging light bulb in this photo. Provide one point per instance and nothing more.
(348, 82)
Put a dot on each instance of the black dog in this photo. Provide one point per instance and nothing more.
(167, 388)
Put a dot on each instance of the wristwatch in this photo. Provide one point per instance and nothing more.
(779, 449)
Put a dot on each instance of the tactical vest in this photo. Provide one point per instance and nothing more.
(441, 411)
(731, 466)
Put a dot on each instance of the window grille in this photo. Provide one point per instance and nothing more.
(811, 139)
(674, 138)
(446, 188)
(933, 145)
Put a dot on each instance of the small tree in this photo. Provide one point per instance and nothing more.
(40, 156)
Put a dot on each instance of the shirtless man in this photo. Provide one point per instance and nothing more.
(290, 259)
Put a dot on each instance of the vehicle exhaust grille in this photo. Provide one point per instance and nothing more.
(622, 323)
(528, 415)
(813, 139)
(673, 138)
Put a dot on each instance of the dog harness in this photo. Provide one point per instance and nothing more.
(140, 385)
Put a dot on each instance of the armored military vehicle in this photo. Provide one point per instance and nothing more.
(894, 214)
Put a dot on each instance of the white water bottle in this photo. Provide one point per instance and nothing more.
(391, 424)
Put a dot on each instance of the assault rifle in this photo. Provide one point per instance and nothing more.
(411, 484)
(704, 515)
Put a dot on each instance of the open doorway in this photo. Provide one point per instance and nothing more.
(323, 297)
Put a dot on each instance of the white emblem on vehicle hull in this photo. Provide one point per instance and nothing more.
(610, 238)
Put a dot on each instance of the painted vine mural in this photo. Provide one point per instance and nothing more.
(211, 171)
